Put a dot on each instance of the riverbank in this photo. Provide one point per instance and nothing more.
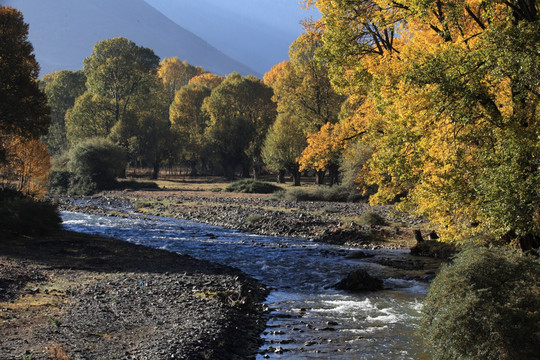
(331, 222)
(75, 296)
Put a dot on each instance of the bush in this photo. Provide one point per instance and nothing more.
(372, 218)
(485, 305)
(20, 215)
(252, 186)
(136, 185)
(335, 193)
(95, 164)
(59, 181)
(253, 219)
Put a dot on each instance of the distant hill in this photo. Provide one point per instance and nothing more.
(64, 32)
(256, 32)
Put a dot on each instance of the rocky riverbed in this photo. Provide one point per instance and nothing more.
(336, 223)
(74, 296)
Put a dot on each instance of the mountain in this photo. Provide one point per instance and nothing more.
(64, 32)
(256, 32)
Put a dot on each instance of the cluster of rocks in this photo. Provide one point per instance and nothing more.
(157, 316)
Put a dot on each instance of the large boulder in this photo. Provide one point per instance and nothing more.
(359, 280)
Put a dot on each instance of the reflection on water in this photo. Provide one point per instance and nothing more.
(307, 320)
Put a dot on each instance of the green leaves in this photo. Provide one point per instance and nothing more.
(484, 306)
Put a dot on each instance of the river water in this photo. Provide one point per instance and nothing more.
(306, 320)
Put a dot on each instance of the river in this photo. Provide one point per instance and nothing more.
(307, 320)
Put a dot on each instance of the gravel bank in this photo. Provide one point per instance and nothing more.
(317, 220)
(74, 296)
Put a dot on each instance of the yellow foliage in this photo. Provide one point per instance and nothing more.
(438, 106)
(28, 165)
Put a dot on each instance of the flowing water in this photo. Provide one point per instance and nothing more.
(306, 320)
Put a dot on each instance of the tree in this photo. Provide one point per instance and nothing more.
(315, 101)
(189, 122)
(240, 112)
(91, 116)
(283, 145)
(28, 164)
(322, 152)
(449, 107)
(148, 130)
(302, 87)
(23, 108)
(175, 74)
(209, 80)
(116, 70)
(61, 88)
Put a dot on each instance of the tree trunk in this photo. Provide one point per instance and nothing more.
(281, 177)
(256, 171)
(296, 177)
(319, 177)
(245, 171)
(333, 173)
(193, 167)
(155, 171)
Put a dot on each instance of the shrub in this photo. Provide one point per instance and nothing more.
(253, 219)
(335, 193)
(372, 218)
(82, 184)
(20, 215)
(136, 185)
(252, 186)
(95, 164)
(485, 305)
(59, 181)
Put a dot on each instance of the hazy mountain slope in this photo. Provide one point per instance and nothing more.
(63, 33)
(256, 32)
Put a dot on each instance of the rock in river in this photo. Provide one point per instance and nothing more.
(359, 280)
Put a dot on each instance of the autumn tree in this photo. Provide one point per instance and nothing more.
(287, 136)
(175, 74)
(240, 112)
(449, 106)
(302, 88)
(61, 88)
(188, 122)
(23, 106)
(28, 165)
(209, 80)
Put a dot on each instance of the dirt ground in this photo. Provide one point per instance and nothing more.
(74, 296)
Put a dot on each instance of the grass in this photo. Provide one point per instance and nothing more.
(55, 322)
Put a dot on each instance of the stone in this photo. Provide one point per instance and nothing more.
(359, 280)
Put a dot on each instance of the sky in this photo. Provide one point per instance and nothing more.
(255, 32)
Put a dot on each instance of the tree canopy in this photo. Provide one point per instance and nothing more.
(240, 111)
(116, 70)
(447, 95)
(62, 89)
(23, 108)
